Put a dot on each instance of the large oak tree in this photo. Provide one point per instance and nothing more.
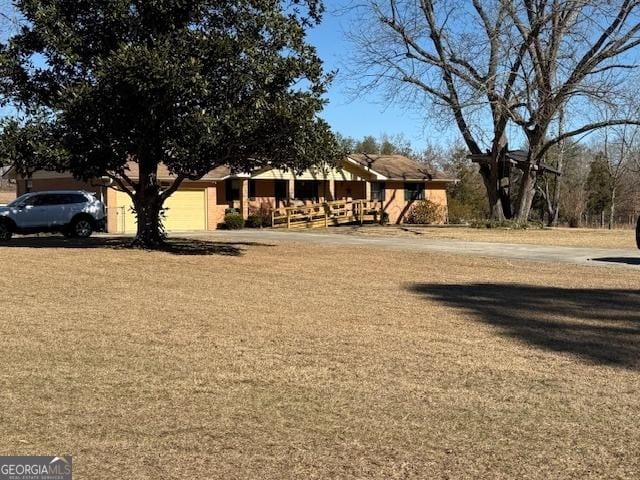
(494, 67)
(192, 84)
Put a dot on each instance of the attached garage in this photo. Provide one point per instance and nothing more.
(184, 210)
(193, 207)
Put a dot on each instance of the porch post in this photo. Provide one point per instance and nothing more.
(291, 190)
(244, 198)
(367, 190)
(332, 190)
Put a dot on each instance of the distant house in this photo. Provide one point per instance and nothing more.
(394, 182)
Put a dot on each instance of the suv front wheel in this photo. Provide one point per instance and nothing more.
(81, 227)
(5, 232)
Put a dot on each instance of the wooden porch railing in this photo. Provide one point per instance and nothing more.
(321, 215)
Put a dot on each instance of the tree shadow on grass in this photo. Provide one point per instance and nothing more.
(174, 246)
(623, 260)
(600, 326)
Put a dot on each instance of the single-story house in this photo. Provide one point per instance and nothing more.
(394, 182)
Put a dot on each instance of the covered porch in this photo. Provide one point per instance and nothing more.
(392, 183)
(274, 189)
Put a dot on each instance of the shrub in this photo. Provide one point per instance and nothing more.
(260, 217)
(254, 221)
(505, 224)
(233, 221)
(574, 222)
(459, 212)
(425, 212)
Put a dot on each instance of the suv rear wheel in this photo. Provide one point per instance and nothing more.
(5, 232)
(81, 227)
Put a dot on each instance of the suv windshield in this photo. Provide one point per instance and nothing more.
(18, 200)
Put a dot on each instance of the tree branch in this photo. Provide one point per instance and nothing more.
(585, 129)
(172, 188)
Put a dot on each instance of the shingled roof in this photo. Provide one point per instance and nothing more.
(397, 167)
(390, 167)
(218, 173)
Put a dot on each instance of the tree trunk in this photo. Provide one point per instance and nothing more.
(612, 214)
(558, 185)
(496, 209)
(549, 209)
(527, 192)
(147, 202)
(150, 233)
(553, 220)
(495, 175)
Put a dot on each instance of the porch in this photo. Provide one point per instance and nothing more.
(247, 194)
(323, 215)
(387, 186)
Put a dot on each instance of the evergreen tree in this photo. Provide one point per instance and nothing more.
(192, 84)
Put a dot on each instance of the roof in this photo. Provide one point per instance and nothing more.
(518, 157)
(386, 167)
(397, 167)
(218, 173)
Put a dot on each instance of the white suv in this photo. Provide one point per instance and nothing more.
(71, 212)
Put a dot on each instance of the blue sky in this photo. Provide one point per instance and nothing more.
(366, 115)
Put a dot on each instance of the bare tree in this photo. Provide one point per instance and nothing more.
(550, 187)
(492, 64)
(573, 194)
(620, 147)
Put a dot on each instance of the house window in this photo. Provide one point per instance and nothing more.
(252, 189)
(281, 188)
(232, 190)
(306, 190)
(413, 191)
(378, 191)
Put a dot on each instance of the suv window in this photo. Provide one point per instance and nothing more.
(50, 199)
(29, 201)
(76, 198)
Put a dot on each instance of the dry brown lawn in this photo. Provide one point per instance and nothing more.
(558, 237)
(299, 361)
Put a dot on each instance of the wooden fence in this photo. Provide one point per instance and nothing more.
(322, 215)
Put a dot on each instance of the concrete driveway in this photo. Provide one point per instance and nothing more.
(537, 253)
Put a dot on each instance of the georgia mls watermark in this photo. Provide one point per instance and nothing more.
(35, 468)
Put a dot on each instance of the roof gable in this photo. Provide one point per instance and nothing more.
(396, 167)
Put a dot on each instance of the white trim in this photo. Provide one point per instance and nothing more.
(377, 175)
